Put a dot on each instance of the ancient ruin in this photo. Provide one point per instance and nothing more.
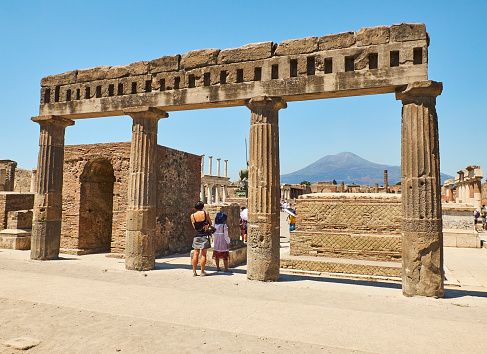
(265, 77)
(214, 187)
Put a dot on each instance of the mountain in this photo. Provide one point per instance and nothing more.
(348, 168)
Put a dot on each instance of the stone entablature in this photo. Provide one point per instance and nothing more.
(369, 61)
(468, 186)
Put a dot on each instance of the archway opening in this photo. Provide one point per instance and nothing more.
(96, 206)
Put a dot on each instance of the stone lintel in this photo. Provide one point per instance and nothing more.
(51, 119)
(145, 112)
(419, 90)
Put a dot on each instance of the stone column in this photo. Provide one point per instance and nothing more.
(202, 193)
(210, 194)
(210, 158)
(264, 183)
(142, 193)
(46, 222)
(386, 184)
(217, 194)
(218, 167)
(33, 180)
(202, 164)
(226, 163)
(477, 196)
(224, 193)
(422, 237)
(376, 188)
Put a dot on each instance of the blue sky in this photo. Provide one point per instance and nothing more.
(40, 38)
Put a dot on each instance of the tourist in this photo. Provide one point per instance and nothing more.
(476, 215)
(201, 241)
(483, 214)
(221, 243)
(292, 222)
(243, 223)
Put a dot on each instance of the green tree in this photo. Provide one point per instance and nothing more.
(305, 183)
(398, 183)
(334, 182)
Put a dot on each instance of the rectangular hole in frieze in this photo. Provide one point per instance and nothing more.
(223, 77)
(328, 65)
(394, 59)
(240, 76)
(258, 74)
(78, 94)
(120, 89)
(56, 94)
(177, 82)
(373, 60)
(275, 71)
(191, 81)
(87, 92)
(418, 56)
(293, 67)
(134, 87)
(310, 65)
(111, 89)
(98, 91)
(350, 63)
(206, 79)
(148, 86)
(47, 96)
(162, 84)
(68, 95)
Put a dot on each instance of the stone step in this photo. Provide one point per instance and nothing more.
(341, 265)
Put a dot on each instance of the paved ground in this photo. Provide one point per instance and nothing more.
(91, 304)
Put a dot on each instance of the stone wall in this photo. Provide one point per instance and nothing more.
(178, 187)
(23, 179)
(11, 201)
(362, 226)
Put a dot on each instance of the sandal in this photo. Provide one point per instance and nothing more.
(203, 274)
(195, 274)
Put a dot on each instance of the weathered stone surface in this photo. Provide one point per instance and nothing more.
(92, 74)
(166, 63)
(22, 343)
(297, 46)
(337, 41)
(118, 71)
(199, 58)
(248, 52)
(408, 32)
(373, 35)
(60, 79)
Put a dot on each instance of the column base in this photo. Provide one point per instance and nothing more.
(263, 253)
(46, 240)
(139, 250)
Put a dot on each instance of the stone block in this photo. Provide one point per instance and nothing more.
(138, 68)
(92, 74)
(337, 41)
(408, 32)
(19, 219)
(373, 35)
(166, 63)
(248, 52)
(118, 71)
(60, 79)
(15, 239)
(297, 46)
(199, 58)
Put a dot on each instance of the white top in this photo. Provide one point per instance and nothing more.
(244, 214)
(221, 239)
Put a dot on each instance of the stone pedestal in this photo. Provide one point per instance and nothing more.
(422, 238)
(141, 208)
(264, 189)
(46, 224)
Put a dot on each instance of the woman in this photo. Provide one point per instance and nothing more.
(201, 222)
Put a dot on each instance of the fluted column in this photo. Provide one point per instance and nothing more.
(33, 180)
(422, 237)
(477, 195)
(210, 194)
(142, 194)
(264, 189)
(224, 193)
(210, 158)
(218, 167)
(202, 164)
(46, 222)
(202, 193)
(226, 163)
(217, 193)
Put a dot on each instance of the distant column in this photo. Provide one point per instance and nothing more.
(202, 164)
(422, 237)
(386, 184)
(264, 219)
(224, 193)
(210, 194)
(477, 196)
(226, 175)
(210, 158)
(376, 189)
(218, 167)
(202, 193)
(142, 194)
(33, 180)
(46, 222)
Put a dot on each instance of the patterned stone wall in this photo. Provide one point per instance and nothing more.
(178, 188)
(457, 216)
(361, 225)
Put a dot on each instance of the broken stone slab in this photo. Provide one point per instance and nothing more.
(92, 74)
(22, 343)
(248, 52)
(166, 63)
(199, 58)
(60, 79)
(337, 41)
(373, 35)
(297, 46)
(408, 32)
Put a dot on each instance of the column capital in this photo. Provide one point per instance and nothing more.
(419, 92)
(266, 102)
(53, 120)
(145, 112)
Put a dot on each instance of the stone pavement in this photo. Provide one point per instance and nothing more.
(90, 303)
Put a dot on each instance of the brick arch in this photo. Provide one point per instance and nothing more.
(96, 206)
